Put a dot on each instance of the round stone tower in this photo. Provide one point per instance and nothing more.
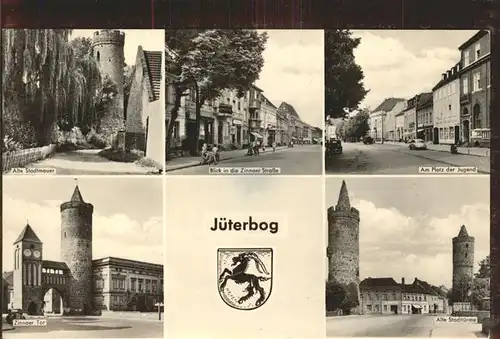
(107, 50)
(343, 240)
(76, 250)
(463, 263)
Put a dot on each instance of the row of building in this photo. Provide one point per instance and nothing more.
(457, 111)
(233, 122)
(386, 296)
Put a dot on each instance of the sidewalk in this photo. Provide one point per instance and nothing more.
(473, 151)
(185, 162)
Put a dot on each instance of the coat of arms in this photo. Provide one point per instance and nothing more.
(245, 276)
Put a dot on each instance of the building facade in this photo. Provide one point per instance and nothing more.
(424, 119)
(463, 264)
(144, 123)
(126, 285)
(270, 121)
(68, 286)
(446, 107)
(400, 123)
(386, 296)
(382, 120)
(343, 242)
(475, 88)
(410, 119)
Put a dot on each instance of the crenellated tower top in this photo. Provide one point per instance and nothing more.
(108, 36)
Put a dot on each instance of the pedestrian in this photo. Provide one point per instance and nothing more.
(274, 146)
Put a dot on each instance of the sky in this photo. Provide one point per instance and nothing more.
(150, 40)
(127, 220)
(293, 72)
(407, 223)
(401, 64)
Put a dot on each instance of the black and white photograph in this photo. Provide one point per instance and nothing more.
(408, 257)
(82, 257)
(244, 99)
(407, 101)
(83, 101)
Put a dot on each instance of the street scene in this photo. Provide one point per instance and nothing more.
(399, 265)
(433, 112)
(231, 109)
(80, 262)
(74, 102)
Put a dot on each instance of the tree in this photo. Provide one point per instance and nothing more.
(357, 126)
(479, 291)
(484, 268)
(82, 47)
(45, 82)
(341, 296)
(344, 86)
(209, 61)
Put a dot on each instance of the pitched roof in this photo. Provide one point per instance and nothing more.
(287, 108)
(379, 282)
(28, 234)
(424, 100)
(151, 69)
(388, 104)
(268, 102)
(454, 75)
(8, 277)
(58, 265)
(473, 39)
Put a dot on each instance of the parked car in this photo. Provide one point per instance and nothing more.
(368, 140)
(417, 144)
(333, 146)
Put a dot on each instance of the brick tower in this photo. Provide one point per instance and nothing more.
(343, 241)
(76, 250)
(463, 263)
(107, 49)
(28, 293)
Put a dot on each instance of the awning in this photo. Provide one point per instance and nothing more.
(257, 135)
(416, 306)
(421, 130)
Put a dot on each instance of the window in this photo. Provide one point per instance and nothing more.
(385, 296)
(153, 284)
(466, 58)
(148, 285)
(385, 308)
(133, 284)
(476, 85)
(449, 107)
(394, 296)
(98, 56)
(465, 85)
(176, 128)
(478, 51)
(140, 285)
(337, 233)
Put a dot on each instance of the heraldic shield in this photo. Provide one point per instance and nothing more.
(245, 276)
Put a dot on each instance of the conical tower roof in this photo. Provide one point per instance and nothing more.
(343, 202)
(463, 232)
(28, 234)
(77, 196)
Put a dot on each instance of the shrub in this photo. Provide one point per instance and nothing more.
(10, 145)
(147, 162)
(119, 156)
(341, 297)
(97, 140)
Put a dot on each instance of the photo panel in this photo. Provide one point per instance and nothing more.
(83, 102)
(407, 101)
(408, 256)
(244, 101)
(83, 257)
(248, 256)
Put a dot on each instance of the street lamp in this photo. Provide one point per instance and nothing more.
(159, 305)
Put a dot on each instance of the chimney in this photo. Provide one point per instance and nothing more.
(443, 76)
(403, 282)
(449, 73)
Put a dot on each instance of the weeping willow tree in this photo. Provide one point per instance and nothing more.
(45, 84)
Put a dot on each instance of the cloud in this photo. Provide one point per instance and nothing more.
(293, 72)
(395, 245)
(391, 70)
(113, 235)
